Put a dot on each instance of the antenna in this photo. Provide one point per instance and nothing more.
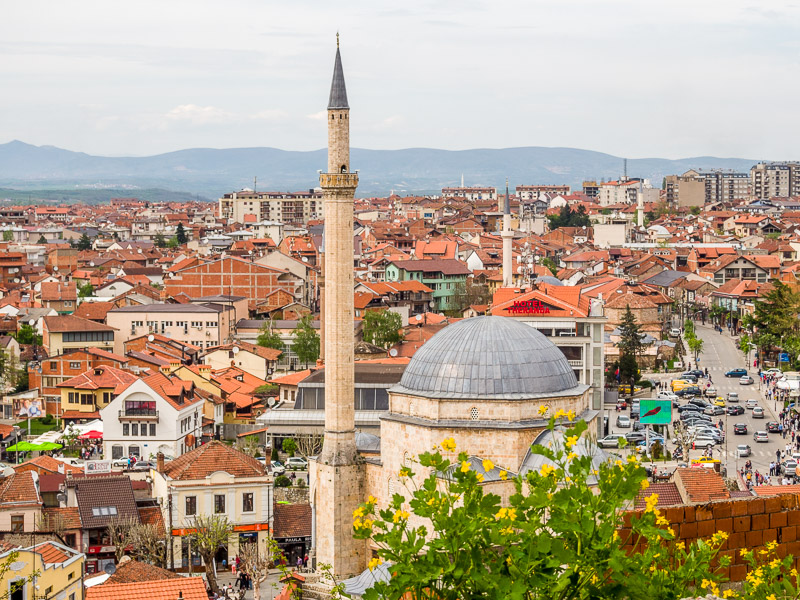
(255, 181)
(625, 168)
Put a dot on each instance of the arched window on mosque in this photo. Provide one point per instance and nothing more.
(473, 414)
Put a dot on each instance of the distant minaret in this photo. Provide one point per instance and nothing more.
(507, 234)
(640, 208)
(338, 474)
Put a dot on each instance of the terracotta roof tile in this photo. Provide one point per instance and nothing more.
(56, 291)
(701, 485)
(68, 516)
(133, 571)
(292, 520)
(94, 311)
(47, 463)
(51, 553)
(668, 495)
(94, 494)
(69, 323)
(101, 377)
(189, 588)
(210, 458)
(18, 489)
(151, 515)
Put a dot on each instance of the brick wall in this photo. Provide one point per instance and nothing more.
(749, 523)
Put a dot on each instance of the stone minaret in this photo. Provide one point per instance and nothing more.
(338, 473)
(507, 234)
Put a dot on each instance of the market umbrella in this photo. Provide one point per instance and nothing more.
(22, 447)
(91, 435)
(46, 446)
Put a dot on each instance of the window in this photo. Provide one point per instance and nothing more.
(73, 397)
(117, 450)
(49, 589)
(106, 397)
(473, 414)
(87, 399)
(191, 505)
(143, 428)
(212, 324)
(198, 324)
(126, 429)
(134, 450)
(54, 365)
(71, 575)
(152, 429)
(17, 523)
(247, 502)
(219, 504)
(134, 429)
(67, 303)
(136, 324)
(104, 511)
(74, 365)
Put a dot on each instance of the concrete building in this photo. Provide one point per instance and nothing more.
(697, 188)
(202, 325)
(775, 179)
(67, 332)
(471, 194)
(287, 208)
(532, 192)
(59, 572)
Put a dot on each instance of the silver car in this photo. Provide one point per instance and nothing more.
(743, 450)
(611, 441)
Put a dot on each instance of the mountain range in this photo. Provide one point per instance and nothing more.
(211, 172)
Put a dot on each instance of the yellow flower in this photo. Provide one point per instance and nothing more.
(547, 470)
(507, 531)
(571, 441)
(543, 409)
(793, 573)
(368, 523)
(465, 466)
(571, 456)
(374, 563)
(503, 475)
(594, 578)
(479, 477)
(615, 537)
(661, 521)
(719, 537)
(359, 512)
(771, 597)
(449, 445)
(431, 501)
(512, 514)
(371, 500)
(400, 515)
(776, 562)
(571, 415)
(728, 594)
(560, 413)
(501, 514)
(671, 531)
(568, 479)
(487, 465)
(705, 583)
(651, 502)
(404, 472)
(357, 524)
(771, 546)
(744, 553)
(644, 484)
(632, 459)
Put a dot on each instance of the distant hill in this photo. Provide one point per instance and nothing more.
(211, 172)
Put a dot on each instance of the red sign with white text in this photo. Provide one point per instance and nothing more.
(528, 307)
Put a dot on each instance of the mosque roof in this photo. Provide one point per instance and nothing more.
(488, 357)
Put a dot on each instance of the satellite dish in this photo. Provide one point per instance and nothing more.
(110, 568)
(91, 264)
(304, 259)
(393, 352)
(151, 337)
(55, 268)
(235, 350)
(61, 498)
(271, 401)
(419, 317)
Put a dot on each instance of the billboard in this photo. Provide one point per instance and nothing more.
(655, 412)
(97, 466)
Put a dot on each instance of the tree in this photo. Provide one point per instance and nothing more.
(289, 446)
(19, 580)
(41, 240)
(149, 543)
(52, 523)
(306, 341)
(210, 533)
(309, 445)
(775, 320)
(548, 262)
(569, 218)
(468, 293)
(84, 243)
(28, 335)
(180, 234)
(269, 338)
(159, 240)
(8, 235)
(173, 243)
(383, 328)
(628, 369)
(696, 346)
(255, 561)
(630, 334)
(85, 290)
(119, 535)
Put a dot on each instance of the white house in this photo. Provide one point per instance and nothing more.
(155, 414)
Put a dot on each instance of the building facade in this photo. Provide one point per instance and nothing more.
(290, 209)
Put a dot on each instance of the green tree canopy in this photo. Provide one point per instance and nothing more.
(383, 328)
(569, 218)
(28, 335)
(630, 333)
(550, 264)
(268, 338)
(306, 341)
(173, 242)
(41, 240)
(180, 233)
(8, 235)
(84, 243)
(775, 320)
(210, 533)
(85, 290)
(159, 240)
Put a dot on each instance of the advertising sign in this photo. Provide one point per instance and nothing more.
(97, 466)
(655, 412)
(528, 307)
(28, 407)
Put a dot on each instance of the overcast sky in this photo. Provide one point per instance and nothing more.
(636, 78)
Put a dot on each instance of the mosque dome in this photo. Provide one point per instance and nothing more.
(488, 357)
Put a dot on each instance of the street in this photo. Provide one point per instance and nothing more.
(719, 355)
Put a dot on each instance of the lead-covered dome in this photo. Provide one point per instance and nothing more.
(488, 357)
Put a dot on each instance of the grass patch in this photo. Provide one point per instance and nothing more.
(38, 426)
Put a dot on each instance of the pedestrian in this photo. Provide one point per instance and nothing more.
(305, 560)
(299, 562)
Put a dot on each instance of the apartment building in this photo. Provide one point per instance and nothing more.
(697, 188)
(625, 191)
(295, 208)
(201, 325)
(471, 194)
(532, 192)
(775, 179)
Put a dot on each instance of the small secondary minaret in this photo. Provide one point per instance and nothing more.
(507, 234)
(640, 208)
(338, 471)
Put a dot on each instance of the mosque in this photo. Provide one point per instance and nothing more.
(480, 381)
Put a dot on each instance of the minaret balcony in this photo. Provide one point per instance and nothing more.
(338, 180)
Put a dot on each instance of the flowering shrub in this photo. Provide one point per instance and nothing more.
(557, 536)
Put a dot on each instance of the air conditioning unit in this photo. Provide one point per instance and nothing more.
(208, 334)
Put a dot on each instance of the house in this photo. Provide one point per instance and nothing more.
(444, 276)
(59, 572)
(730, 267)
(256, 360)
(66, 332)
(84, 395)
(180, 588)
(214, 479)
(20, 502)
(292, 530)
(158, 413)
(60, 296)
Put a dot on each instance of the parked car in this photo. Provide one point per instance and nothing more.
(689, 408)
(696, 372)
(746, 380)
(706, 441)
(689, 377)
(714, 411)
(751, 403)
(277, 467)
(743, 450)
(773, 427)
(736, 373)
(789, 467)
(143, 465)
(774, 370)
(689, 390)
(761, 436)
(296, 463)
(623, 421)
(700, 402)
(740, 429)
(611, 441)
(634, 409)
(665, 395)
(711, 392)
(635, 437)
(735, 410)
(120, 462)
(758, 412)
(733, 397)
(674, 332)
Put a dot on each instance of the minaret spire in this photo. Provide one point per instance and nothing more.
(507, 234)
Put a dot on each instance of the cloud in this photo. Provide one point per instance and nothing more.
(318, 116)
(199, 115)
(272, 114)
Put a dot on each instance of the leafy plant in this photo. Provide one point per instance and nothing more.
(306, 341)
(269, 338)
(289, 446)
(383, 328)
(283, 481)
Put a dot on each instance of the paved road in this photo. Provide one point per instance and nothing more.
(720, 354)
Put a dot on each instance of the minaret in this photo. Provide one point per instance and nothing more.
(507, 234)
(338, 472)
(640, 208)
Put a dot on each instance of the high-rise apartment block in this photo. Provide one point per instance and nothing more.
(775, 180)
(289, 208)
(698, 188)
(532, 192)
(470, 193)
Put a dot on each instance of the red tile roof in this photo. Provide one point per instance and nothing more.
(69, 323)
(51, 553)
(292, 520)
(19, 490)
(102, 377)
(55, 517)
(701, 485)
(133, 571)
(668, 495)
(211, 458)
(188, 588)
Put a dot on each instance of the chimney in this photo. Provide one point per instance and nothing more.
(160, 462)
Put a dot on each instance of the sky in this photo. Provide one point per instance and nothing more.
(633, 78)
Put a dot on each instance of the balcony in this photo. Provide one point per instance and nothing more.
(575, 363)
(138, 415)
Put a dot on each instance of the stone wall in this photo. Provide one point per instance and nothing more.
(749, 523)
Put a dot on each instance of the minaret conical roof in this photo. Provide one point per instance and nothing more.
(338, 98)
